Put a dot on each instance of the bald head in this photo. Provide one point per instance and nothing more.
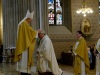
(41, 33)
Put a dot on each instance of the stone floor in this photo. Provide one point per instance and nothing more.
(9, 69)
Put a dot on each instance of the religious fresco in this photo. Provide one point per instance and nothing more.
(86, 26)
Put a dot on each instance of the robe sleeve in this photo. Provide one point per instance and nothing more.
(45, 51)
(44, 48)
(98, 46)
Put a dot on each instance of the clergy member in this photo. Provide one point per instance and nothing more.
(81, 64)
(46, 59)
(98, 58)
(25, 45)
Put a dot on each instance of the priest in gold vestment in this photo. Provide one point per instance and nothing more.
(81, 64)
(26, 38)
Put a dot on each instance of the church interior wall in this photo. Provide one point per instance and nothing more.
(63, 38)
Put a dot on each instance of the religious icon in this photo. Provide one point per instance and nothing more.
(86, 26)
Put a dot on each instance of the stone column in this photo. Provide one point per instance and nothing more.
(1, 25)
(43, 4)
(45, 16)
(34, 7)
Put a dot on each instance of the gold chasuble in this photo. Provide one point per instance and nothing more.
(82, 55)
(25, 41)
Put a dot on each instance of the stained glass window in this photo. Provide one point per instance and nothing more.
(55, 12)
(99, 11)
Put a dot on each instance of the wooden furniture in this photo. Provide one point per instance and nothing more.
(1, 53)
(67, 58)
(10, 52)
